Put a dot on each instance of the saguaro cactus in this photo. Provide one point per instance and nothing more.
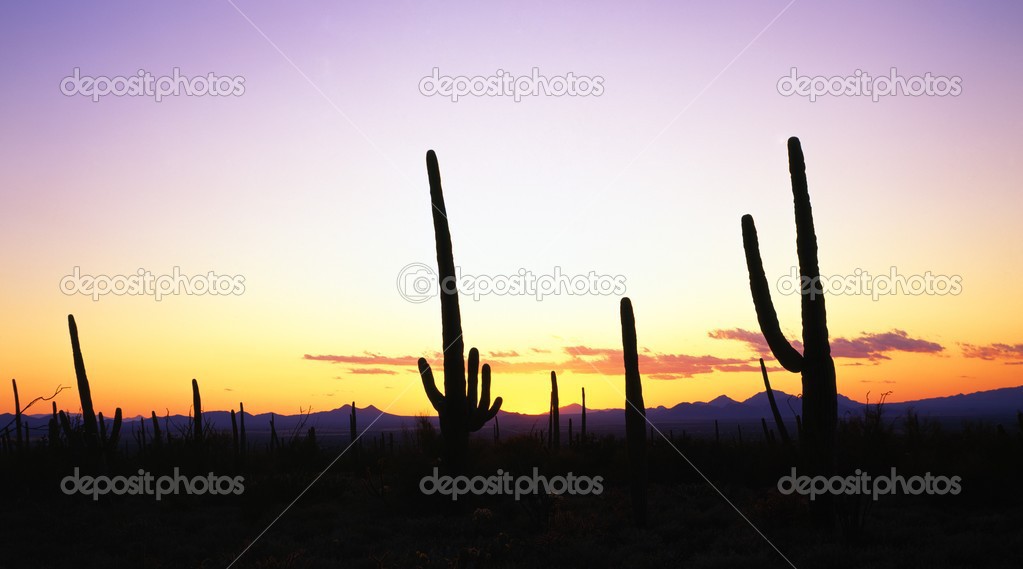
(241, 427)
(782, 431)
(635, 414)
(84, 393)
(234, 433)
(555, 434)
(353, 430)
(157, 437)
(460, 411)
(582, 428)
(815, 363)
(197, 416)
(54, 428)
(17, 413)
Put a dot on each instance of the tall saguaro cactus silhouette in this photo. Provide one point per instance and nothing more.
(84, 393)
(635, 414)
(555, 433)
(460, 411)
(815, 363)
(197, 417)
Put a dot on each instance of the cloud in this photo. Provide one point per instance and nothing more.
(608, 361)
(540, 351)
(574, 359)
(365, 358)
(869, 346)
(996, 351)
(754, 340)
(499, 354)
(874, 346)
(372, 371)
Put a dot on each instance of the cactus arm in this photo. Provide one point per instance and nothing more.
(488, 411)
(473, 388)
(783, 351)
(430, 385)
(484, 402)
(483, 411)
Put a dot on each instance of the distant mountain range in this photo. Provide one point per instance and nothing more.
(994, 405)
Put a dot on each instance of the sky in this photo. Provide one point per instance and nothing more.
(302, 185)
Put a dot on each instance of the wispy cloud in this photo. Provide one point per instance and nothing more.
(499, 354)
(997, 351)
(365, 358)
(868, 345)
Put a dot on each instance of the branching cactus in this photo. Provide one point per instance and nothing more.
(815, 363)
(460, 411)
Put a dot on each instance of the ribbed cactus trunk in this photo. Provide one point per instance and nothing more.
(635, 415)
(241, 428)
(274, 443)
(84, 393)
(353, 426)
(820, 412)
(460, 412)
(197, 415)
(555, 413)
(582, 427)
(157, 437)
(234, 434)
(115, 431)
(54, 428)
